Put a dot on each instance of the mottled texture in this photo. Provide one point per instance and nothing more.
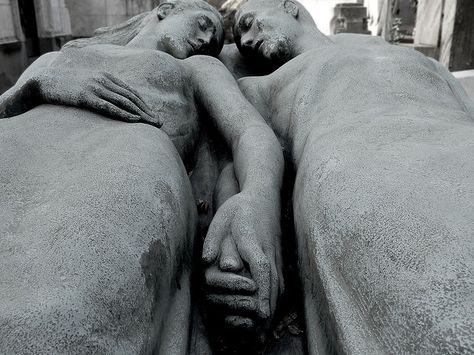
(383, 201)
(97, 233)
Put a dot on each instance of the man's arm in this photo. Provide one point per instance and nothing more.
(258, 158)
(250, 220)
(458, 91)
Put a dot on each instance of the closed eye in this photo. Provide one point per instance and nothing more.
(205, 23)
(246, 23)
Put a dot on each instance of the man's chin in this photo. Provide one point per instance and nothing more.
(271, 59)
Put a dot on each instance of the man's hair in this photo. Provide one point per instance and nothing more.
(124, 32)
(303, 12)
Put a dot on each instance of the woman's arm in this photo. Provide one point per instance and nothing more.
(46, 83)
(24, 94)
(252, 217)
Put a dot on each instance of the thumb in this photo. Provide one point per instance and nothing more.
(213, 240)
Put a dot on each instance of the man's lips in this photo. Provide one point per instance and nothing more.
(194, 46)
(257, 45)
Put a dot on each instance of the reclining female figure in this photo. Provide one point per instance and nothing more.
(98, 216)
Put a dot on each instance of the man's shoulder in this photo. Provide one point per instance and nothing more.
(203, 62)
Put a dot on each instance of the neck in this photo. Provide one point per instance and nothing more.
(311, 39)
(147, 38)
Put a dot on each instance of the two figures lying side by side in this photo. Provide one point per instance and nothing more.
(380, 138)
(98, 215)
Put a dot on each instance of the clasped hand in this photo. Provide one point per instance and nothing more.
(243, 262)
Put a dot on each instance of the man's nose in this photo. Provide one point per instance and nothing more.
(247, 40)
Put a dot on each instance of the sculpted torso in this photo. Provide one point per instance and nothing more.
(86, 189)
(99, 214)
(352, 81)
(382, 142)
(160, 80)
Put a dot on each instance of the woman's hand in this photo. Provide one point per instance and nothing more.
(245, 231)
(98, 91)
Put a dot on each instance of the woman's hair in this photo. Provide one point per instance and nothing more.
(124, 32)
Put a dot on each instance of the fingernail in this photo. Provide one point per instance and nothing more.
(244, 303)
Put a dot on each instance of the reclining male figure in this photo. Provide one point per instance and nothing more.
(98, 216)
(382, 139)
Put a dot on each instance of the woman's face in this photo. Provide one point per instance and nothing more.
(183, 33)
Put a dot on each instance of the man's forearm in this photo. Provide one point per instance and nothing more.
(257, 154)
(258, 161)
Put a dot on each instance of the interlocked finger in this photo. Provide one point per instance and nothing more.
(227, 282)
(127, 93)
(120, 102)
(235, 303)
(212, 242)
(104, 106)
(261, 272)
(239, 322)
(229, 259)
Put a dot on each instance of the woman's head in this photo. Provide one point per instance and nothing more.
(181, 28)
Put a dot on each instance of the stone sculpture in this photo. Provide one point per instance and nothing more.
(98, 217)
(381, 139)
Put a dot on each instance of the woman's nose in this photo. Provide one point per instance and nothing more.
(247, 40)
(230, 260)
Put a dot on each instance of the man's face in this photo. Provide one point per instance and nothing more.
(189, 32)
(266, 32)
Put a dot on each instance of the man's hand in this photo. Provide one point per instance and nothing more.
(95, 90)
(245, 231)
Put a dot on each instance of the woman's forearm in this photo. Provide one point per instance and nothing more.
(25, 94)
(19, 99)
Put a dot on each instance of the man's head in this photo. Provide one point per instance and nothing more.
(269, 30)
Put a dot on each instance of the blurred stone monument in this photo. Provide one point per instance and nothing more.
(27, 30)
(228, 10)
(349, 17)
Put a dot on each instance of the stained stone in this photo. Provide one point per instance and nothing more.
(349, 18)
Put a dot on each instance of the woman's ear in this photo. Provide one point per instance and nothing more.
(164, 10)
(292, 8)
